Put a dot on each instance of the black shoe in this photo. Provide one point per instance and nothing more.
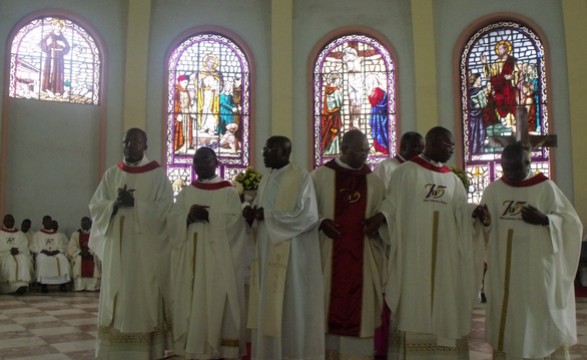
(483, 298)
(21, 290)
(63, 288)
(44, 288)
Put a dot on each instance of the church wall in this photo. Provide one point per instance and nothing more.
(45, 160)
(53, 155)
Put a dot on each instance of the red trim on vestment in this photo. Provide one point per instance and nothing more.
(138, 169)
(334, 166)
(48, 231)
(425, 164)
(400, 159)
(9, 230)
(540, 177)
(211, 186)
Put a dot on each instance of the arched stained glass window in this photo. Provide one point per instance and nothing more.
(55, 59)
(208, 104)
(354, 87)
(503, 99)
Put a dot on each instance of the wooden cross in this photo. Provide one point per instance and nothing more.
(523, 135)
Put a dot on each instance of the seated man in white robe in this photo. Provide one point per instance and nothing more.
(286, 304)
(208, 234)
(534, 247)
(25, 228)
(50, 247)
(85, 265)
(16, 264)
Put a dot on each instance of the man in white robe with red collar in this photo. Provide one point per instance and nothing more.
(435, 259)
(128, 213)
(85, 265)
(50, 247)
(348, 193)
(411, 144)
(286, 309)
(208, 235)
(16, 263)
(534, 247)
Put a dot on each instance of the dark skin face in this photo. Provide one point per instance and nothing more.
(86, 224)
(47, 223)
(515, 167)
(275, 154)
(134, 144)
(355, 151)
(55, 225)
(8, 221)
(441, 147)
(25, 226)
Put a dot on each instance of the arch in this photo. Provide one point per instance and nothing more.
(208, 92)
(84, 38)
(503, 85)
(354, 86)
(54, 57)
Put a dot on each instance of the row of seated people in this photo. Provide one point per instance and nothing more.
(46, 257)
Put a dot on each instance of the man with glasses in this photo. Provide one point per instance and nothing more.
(285, 302)
(128, 234)
(433, 263)
(348, 193)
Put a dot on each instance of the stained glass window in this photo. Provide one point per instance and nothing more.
(503, 96)
(55, 59)
(207, 105)
(354, 87)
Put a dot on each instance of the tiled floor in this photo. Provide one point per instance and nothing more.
(58, 326)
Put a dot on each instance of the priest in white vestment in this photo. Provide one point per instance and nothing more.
(411, 144)
(348, 193)
(435, 261)
(128, 213)
(50, 248)
(286, 309)
(25, 228)
(85, 265)
(534, 247)
(16, 263)
(208, 234)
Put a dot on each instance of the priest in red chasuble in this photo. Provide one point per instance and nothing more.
(348, 193)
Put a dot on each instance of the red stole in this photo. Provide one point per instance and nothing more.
(87, 262)
(346, 293)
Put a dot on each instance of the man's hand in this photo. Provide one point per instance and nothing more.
(481, 212)
(533, 216)
(198, 213)
(46, 252)
(330, 228)
(14, 251)
(86, 253)
(373, 224)
(125, 197)
(249, 214)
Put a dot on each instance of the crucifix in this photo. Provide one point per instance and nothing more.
(523, 135)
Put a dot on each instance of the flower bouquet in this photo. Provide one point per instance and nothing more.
(247, 183)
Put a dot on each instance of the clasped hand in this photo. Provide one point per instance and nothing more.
(198, 213)
(531, 215)
(481, 212)
(253, 213)
(125, 197)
